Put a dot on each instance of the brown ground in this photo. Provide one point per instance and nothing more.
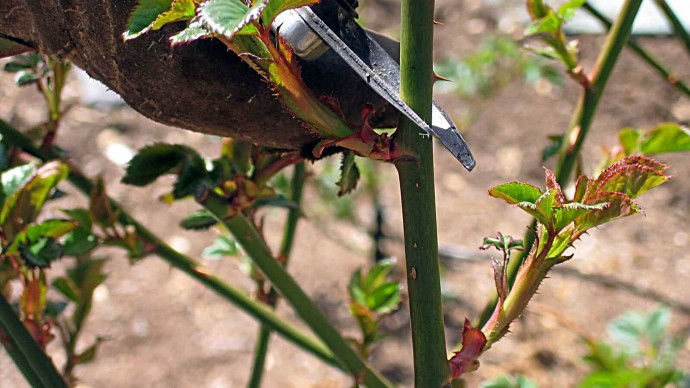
(165, 330)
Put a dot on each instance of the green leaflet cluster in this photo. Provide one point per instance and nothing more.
(560, 222)
(548, 23)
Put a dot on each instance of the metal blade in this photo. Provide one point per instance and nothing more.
(384, 79)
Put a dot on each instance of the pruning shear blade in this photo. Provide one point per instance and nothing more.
(387, 83)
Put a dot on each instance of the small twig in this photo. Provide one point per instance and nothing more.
(289, 232)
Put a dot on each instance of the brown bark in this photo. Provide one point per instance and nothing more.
(202, 86)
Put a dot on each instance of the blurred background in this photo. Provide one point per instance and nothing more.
(162, 329)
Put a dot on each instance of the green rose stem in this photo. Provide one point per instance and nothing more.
(530, 276)
(31, 360)
(416, 176)
(184, 263)
(289, 232)
(645, 55)
(579, 125)
(255, 247)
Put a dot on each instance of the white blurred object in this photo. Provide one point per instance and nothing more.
(94, 93)
(113, 146)
(650, 19)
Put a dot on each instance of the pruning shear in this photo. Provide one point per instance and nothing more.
(326, 36)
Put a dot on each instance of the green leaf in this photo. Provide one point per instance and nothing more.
(537, 9)
(222, 247)
(279, 201)
(34, 233)
(67, 288)
(181, 10)
(144, 14)
(156, 160)
(193, 32)
(385, 298)
(632, 179)
(192, 173)
(502, 243)
(547, 202)
(373, 291)
(355, 289)
(41, 253)
(565, 214)
(516, 192)
(275, 7)
(199, 220)
(13, 179)
(630, 140)
(656, 325)
(560, 243)
(349, 174)
(547, 52)
(88, 275)
(552, 148)
(79, 242)
(668, 137)
(24, 205)
(16, 66)
(619, 205)
(24, 78)
(24, 62)
(82, 216)
(230, 17)
(53, 228)
(549, 24)
(377, 274)
(100, 208)
(55, 308)
(532, 210)
(567, 10)
(581, 188)
(89, 354)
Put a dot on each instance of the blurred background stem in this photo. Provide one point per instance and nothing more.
(289, 232)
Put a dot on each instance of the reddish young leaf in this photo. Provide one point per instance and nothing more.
(552, 183)
(581, 188)
(619, 205)
(466, 360)
(631, 176)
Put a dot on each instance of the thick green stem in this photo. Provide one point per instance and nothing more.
(580, 123)
(676, 23)
(34, 364)
(645, 55)
(418, 203)
(289, 233)
(180, 261)
(255, 247)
